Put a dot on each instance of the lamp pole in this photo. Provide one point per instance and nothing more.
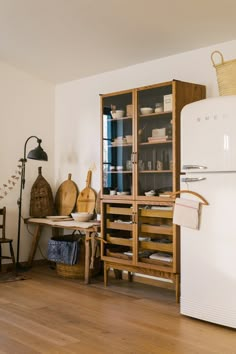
(35, 154)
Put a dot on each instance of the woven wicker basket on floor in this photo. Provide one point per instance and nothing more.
(226, 74)
(77, 271)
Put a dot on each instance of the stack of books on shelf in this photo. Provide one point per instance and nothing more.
(156, 139)
(159, 135)
(162, 256)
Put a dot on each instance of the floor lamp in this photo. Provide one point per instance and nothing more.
(36, 154)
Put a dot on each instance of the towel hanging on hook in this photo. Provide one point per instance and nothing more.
(187, 212)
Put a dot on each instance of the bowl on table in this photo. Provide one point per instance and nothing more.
(81, 216)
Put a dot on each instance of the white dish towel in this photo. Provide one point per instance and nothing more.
(187, 213)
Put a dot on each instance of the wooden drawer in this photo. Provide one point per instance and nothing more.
(157, 213)
(119, 226)
(156, 246)
(117, 210)
(119, 241)
(164, 230)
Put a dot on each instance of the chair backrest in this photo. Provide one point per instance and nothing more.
(3, 221)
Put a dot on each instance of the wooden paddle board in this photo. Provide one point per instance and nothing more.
(41, 197)
(86, 200)
(66, 197)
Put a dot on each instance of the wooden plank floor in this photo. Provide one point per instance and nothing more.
(47, 314)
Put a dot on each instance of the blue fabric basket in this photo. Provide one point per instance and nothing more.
(64, 249)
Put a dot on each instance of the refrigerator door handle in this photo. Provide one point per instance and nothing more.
(194, 167)
(192, 179)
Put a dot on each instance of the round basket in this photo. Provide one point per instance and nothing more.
(77, 271)
(226, 74)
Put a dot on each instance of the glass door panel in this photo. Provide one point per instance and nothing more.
(118, 144)
(154, 143)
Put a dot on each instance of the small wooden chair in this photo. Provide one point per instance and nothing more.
(4, 240)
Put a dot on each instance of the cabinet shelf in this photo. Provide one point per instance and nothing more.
(119, 255)
(165, 265)
(155, 114)
(162, 230)
(119, 241)
(167, 214)
(156, 143)
(119, 210)
(118, 119)
(119, 226)
(120, 145)
(157, 262)
(156, 246)
(118, 172)
(155, 171)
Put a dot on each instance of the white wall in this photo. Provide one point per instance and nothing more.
(27, 108)
(77, 134)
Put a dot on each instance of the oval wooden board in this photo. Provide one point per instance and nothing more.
(86, 200)
(66, 197)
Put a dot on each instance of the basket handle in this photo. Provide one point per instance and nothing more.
(221, 56)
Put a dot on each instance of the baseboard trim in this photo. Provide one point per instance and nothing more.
(8, 267)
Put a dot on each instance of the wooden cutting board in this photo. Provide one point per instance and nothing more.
(86, 200)
(41, 197)
(66, 197)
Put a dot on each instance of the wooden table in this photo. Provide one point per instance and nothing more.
(88, 228)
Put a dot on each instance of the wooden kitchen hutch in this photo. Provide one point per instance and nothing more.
(140, 149)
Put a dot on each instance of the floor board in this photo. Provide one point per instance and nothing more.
(47, 314)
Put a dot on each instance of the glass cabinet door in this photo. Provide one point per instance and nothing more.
(154, 141)
(117, 141)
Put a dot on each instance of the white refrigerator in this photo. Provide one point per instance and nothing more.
(208, 167)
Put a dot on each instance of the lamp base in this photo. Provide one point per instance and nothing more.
(22, 268)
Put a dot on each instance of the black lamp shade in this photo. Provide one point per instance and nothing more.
(38, 154)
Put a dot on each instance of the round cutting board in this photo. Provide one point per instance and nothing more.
(66, 197)
(87, 198)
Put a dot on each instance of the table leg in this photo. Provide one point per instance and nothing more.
(106, 270)
(34, 245)
(177, 288)
(87, 257)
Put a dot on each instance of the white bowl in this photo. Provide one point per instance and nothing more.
(113, 192)
(82, 216)
(117, 114)
(146, 110)
(122, 193)
(150, 193)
